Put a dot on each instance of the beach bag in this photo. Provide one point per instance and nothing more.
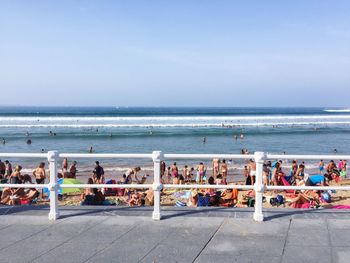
(203, 200)
(279, 199)
(273, 201)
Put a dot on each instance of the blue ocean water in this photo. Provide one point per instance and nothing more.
(174, 130)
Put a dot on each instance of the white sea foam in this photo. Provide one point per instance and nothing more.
(337, 110)
(186, 121)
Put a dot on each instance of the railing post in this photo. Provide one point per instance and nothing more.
(259, 186)
(52, 157)
(157, 186)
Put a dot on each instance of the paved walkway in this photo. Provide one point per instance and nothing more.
(111, 234)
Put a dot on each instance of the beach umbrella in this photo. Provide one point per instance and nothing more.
(69, 190)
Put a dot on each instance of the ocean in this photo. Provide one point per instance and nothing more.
(172, 130)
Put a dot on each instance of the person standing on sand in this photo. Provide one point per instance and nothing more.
(15, 177)
(185, 173)
(321, 166)
(2, 168)
(99, 172)
(65, 165)
(39, 174)
(252, 170)
(168, 175)
(8, 168)
(216, 167)
(162, 169)
(201, 173)
(224, 171)
(73, 169)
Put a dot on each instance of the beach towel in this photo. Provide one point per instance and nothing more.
(180, 204)
(340, 207)
(285, 183)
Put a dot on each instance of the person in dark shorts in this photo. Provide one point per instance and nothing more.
(99, 172)
(39, 174)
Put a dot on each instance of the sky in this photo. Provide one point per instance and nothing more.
(175, 53)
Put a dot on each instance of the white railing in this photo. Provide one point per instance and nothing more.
(157, 157)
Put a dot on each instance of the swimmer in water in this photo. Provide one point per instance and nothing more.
(91, 149)
(29, 141)
(204, 139)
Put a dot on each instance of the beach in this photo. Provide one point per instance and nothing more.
(173, 130)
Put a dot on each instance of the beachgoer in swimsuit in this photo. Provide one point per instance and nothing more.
(224, 171)
(321, 166)
(39, 174)
(216, 167)
(132, 172)
(73, 169)
(2, 169)
(201, 172)
(8, 168)
(15, 177)
(174, 170)
(65, 165)
(99, 173)
(252, 170)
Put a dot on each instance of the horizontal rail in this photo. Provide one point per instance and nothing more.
(106, 155)
(208, 186)
(24, 155)
(323, 188)
(106, 185)
(156, 157)
(307, 157)
(24, 185)
(208, 156)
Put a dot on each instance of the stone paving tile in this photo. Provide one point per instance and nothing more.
(67, 230)
(340, 237)
(307, 254)
(312, 232)
(341, 254)
(245, 245)
(339, 223)
(173, 253)
(15, 233)
(252, 258)
(26, 251)
(242, 227)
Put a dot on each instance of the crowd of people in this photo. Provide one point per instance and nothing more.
(274, 173)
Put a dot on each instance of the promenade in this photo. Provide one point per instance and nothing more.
(124, 234)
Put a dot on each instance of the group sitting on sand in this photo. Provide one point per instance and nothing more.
(274, 173)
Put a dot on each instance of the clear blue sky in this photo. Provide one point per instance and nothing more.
(175, 53)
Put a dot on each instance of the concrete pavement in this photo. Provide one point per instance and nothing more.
(110, 234)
